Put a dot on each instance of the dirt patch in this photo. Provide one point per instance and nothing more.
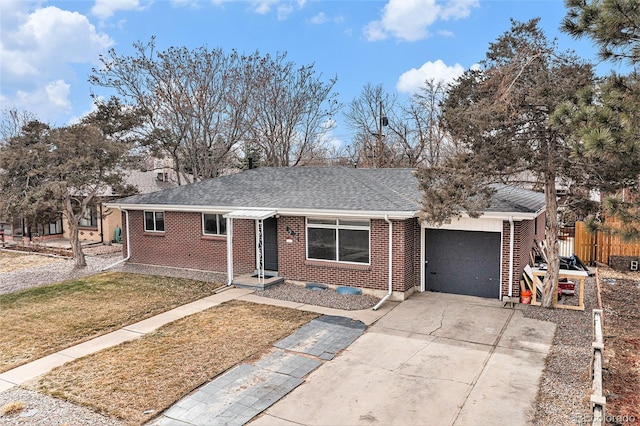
(150, 374)
(621, 373)
(12, 261)
(44, 320)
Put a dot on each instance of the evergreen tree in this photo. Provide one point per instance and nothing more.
(501, 115)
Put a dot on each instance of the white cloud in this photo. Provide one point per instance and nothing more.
(193, 4)
(409, 20)
(36, 43)
(46, 101)
(104, 9)
(410, 81)
(262, 7)
(328, 139)
(38, 51)
(283, 8)
(318, 19)
(446, 33)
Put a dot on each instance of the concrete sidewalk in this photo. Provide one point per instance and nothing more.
(29, 371)
(26, 372)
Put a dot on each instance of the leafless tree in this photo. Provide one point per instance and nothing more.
(367, 116)
(424, 140)
(203, 104)
(195, 101)
(12, 122)
(292, 109)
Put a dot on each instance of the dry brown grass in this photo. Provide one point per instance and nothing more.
(44, 320)
(14, 261)
(12, 407)
(155, 371)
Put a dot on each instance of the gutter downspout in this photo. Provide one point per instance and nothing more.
(511, 228)
(384, 299)
(126, 213)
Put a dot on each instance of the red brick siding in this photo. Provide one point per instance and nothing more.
(244, 246)
(294, 265)
(412, 254)
(524, 236)
(182, 244)
(123, 221)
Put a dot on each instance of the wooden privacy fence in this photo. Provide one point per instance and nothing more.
(600, 246)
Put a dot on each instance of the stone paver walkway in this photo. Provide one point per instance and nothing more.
(242, 393)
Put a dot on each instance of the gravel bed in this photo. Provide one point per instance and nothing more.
(328, 298)
(64, 269)
(565, 386)
(43, 410)
(165, 271)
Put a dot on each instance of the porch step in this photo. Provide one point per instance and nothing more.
(250, 281)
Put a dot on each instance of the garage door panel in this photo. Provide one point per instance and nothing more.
(463, 262)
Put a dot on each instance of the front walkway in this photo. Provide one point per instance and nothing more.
(242, 393)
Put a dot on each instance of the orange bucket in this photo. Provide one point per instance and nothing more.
(525, 297)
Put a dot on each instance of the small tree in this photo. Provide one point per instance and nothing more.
(67, 169)
(501, 114)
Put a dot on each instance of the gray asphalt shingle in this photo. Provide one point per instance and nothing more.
(320, 188)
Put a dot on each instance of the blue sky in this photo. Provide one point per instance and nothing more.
(48, 48)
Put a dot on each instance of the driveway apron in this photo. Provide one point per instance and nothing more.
(436, 359)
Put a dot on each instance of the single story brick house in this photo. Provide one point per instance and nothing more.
(334, 225)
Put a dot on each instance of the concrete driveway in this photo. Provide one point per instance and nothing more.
(436, 359)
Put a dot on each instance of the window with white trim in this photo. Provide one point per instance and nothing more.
(340, 240)
(213, 224)
(154, 221)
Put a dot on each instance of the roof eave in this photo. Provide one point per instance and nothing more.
(509, 215)
(380, 214)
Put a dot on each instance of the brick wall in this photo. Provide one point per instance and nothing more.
(412, 254)
(182, 244)
(294, 265)
(524, 236)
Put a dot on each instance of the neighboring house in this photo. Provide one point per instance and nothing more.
(100, 222)
(334, 225)
(17, 228)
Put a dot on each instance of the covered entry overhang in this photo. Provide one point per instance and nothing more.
(259, 216)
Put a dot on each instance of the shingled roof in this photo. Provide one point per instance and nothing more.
(315, 189)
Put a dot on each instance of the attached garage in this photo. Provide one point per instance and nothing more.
(463, 262)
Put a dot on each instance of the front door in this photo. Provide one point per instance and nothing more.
(270, 234)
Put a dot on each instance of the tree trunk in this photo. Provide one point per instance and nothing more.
(550, 283)
(76, 246)
(74, 235)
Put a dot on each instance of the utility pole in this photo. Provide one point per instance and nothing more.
(378, 154)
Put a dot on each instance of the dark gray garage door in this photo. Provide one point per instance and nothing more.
(463, 262)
